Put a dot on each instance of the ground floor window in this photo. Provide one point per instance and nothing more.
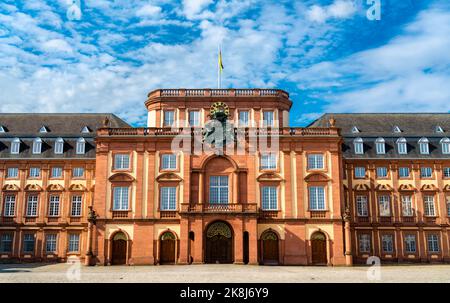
(74, 242)
(6, 242)
(410, 243)
(387, 243)
(433, 243)
(50, 243)
(28, 243)
(364, 243)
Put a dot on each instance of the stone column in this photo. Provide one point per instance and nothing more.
(348, 239)
(200, 187)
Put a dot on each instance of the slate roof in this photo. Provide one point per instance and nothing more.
(67, 126)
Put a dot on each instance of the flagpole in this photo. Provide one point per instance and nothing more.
(219, 76)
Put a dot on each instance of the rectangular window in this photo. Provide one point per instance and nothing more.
(6, 242)
(121, 161)
(381, 148)
(402, 148)
(74, 243)
(168, 198)
(35, 172)
(37, 146)
(78, 172)
(446, 172)
(360, 172)
(385, 209)
(387, 243)
(382, 172)
(364, 243)
(316, 198)
(194, 118)
(81, 146)
(429, 210)
(426, 172)
(32, 206)
(410, 243)
(407, 209)
(59, 147)
(13, 172)
(28, 243)
(15, 147)
(169, 161)
(359, 148)
(120, 198)
(268, 161)
(315, 161)
(445, 148)
(50, 243)
(77, 202)
(424, 148)
(433, 243)
(57, 172)
(10, 206)
(169, 118)
(361, 206)
(243, 118)
(403, 172)
(218, 190)
(268, 118)
(53, 207)
(269, 198)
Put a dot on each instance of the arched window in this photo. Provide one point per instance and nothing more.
(402, 146)
(59, 146)
(359, 146)
(81, 146)
(380, 146)
(37, 146)
(445, 144)
(423, 146)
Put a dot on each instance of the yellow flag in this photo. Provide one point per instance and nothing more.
(220, 60)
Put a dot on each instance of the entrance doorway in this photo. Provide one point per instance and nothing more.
(119, 249)
(167, 248)
(319, 248)
(219, 243)
(270, 252)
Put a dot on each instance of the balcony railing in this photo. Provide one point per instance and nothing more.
(207, 92)
(318, 214)
(218, 208)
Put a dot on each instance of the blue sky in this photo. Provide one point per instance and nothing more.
(327, 54)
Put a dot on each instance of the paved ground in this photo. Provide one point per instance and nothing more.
(219, 273)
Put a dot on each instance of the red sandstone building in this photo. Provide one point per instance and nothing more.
(218, 176)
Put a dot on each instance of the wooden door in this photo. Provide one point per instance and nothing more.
(319, 249)
(270, 248)
(167, 248)
(219, 243)
(119, 252)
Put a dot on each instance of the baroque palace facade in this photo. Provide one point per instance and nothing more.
(218, 176)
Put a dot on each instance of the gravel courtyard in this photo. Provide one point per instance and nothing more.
(219, 273)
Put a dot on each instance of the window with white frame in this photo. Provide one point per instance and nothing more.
(358, 144)
(169, 161)
(315, 161)
(380, 146)
(433, 243)
(56, 172)
(218, 189)
(59, 146)
(121, 161)
(37, 146)
(15, 146)
(35, 172)
(268, 119)
(382, 172)
(243, 118)
(402, 146)
(269, 197)
(77, 202)
(445, 145)
(384, 204)
(424, 146)
(361, 206)
(28, 243)
(364, 243)
(194, 118)
(78, 172)
(32, 205)
(168, 198)
(403, 172)
(407, 209)
(446, 172)
(6, 242)
(10, 206)
(410, 243)
(120, 198)
(50, 243)
(426, 172)
(74, 243)
(387, 243)
(81, 146)
(13, 172)
(360, 172)
(316, 198)
(429, 209)
(268, 161)
(53, 206)
(169, 118)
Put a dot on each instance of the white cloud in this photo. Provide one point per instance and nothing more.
(192, 8)
(57, 45)
(149, 10)
(339, 9)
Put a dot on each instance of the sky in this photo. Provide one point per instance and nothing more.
(339, 56)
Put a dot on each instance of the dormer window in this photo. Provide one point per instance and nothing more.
(396, 129)
(81, 146)
(15, 146)
(86, 130)
(445, 144)
(355, 130)
(380, 146)
(359, 146)
(424, 146)
(2, 129)
(37, 146)
(438, 129)
(43, 129)
(402, 146)
(59, 146)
